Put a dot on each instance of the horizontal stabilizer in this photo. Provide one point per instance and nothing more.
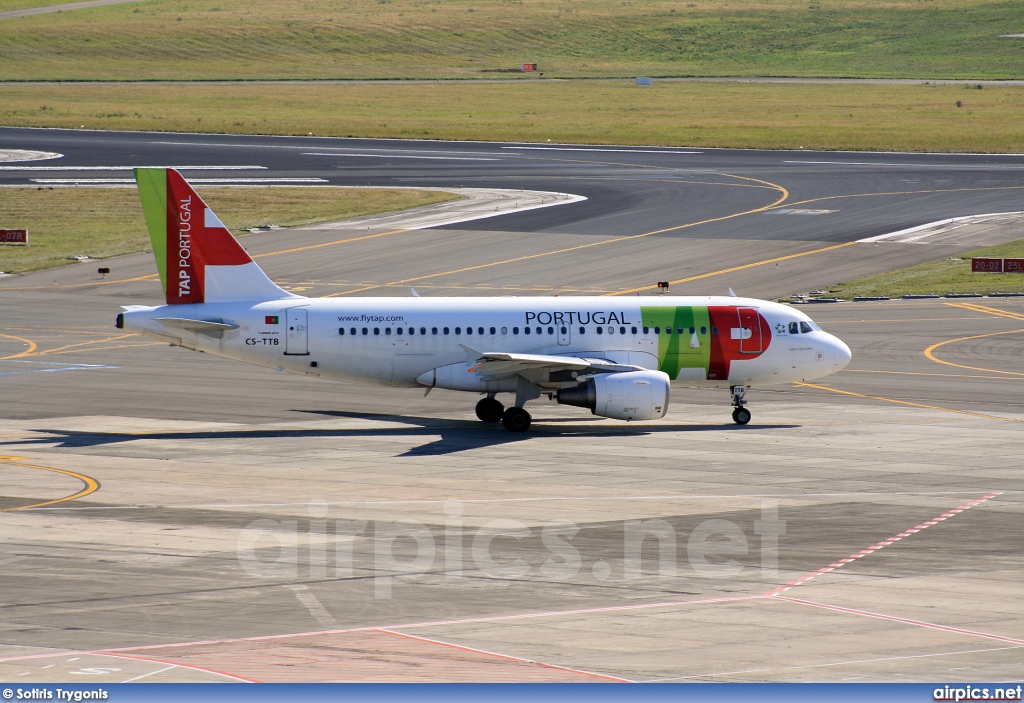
(207, 327)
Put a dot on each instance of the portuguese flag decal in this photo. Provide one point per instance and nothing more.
(272, 320)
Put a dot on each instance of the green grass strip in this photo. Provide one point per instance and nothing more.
(105, 222)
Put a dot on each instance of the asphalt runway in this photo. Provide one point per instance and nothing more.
(168, 516)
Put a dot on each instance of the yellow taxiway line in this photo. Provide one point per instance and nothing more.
(907, 402)
(91, 484)
(31, 346)
(930, 353)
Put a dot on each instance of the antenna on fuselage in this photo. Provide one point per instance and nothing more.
(732, 293)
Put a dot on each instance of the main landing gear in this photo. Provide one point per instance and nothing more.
(490, 410)
(740, 415)
(514, 419)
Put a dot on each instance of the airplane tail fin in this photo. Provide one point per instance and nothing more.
(198, 258)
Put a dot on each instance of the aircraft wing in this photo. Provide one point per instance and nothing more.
(504, 364)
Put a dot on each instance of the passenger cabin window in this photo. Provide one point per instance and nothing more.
(657, 330)
(398, 331)
(469, 330)
(433, 330)
(376, 330)
(633, 329)
(714, 330)
(551, 330)
(703, 330)
(515, 330)
(583, 330)
(504, 330)
(446, 330)
(480, 330)
(805, 328)
(600, 330)
(492, 331)
(527, 330)
(387, 330)
(647, 330)
(423, 330)
(563, 330)
(365, 331)
(458, 330)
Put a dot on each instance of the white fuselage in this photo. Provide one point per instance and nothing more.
(431, 342)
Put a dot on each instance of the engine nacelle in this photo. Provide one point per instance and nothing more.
(630, 395)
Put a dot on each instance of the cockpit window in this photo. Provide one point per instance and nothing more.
(814, 325)
(804, 327)
(794, 328)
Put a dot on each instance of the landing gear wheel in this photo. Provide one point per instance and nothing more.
(489, 410)
(741, 416)
(516, 420)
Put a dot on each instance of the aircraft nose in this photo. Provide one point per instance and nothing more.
(842, 353)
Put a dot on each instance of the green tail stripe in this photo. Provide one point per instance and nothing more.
(153, 191)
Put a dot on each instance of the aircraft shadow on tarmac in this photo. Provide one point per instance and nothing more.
(455, 435)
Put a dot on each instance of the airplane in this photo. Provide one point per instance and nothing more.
(616, 356)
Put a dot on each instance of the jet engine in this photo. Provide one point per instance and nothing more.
(628, 395)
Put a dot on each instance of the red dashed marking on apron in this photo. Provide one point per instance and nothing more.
(884, 543)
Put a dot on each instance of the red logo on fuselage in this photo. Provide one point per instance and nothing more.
(743, 333)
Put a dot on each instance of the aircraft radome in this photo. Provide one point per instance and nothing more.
(616, 356)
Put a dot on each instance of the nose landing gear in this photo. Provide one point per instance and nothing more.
(740, 415)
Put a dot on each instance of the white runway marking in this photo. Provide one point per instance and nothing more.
(129, 168)
(878, 163)
(25, 155)
(50, 367)
(475, 204)
(131, 181)
(798, 211)
(623, 151)
(313, 605)
(916, 234)
(397, 156)
(151, 673)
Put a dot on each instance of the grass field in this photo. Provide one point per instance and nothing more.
(754, 115)
(272, 39)
(6, 5)
(939, 277)
(104, 222)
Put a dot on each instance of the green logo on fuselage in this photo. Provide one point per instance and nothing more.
(684, 337)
